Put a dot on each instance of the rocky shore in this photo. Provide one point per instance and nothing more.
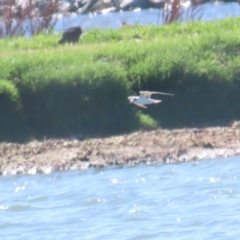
(158, 146)
(19, 7)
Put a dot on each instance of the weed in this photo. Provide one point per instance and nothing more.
(19, 20)
(176, 12)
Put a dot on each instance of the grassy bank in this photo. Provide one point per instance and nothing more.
(52, 90)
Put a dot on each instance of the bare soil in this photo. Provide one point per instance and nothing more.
(158, 146)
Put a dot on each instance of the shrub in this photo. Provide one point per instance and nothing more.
(10, 108)
(9, 98)
(147, 122)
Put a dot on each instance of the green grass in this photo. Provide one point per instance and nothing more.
(190, 30)
(63, 89)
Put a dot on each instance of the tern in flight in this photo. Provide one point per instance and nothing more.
(145, 98)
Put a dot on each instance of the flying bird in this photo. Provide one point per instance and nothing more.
(145, 98)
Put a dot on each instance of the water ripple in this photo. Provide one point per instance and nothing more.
(164, 201)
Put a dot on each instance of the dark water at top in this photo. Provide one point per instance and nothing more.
(210, 11)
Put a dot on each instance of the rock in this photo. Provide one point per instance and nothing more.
(64, 7)
(85, 6)
(131, 4)
(156, 3)
(236, 124)
(45, 169)
(109, 10)
(102, 7)
(71, 35)
(32, 171)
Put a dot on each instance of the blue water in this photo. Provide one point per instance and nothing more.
(208, 11)
(192, 200)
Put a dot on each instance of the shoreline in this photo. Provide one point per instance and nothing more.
(156, 146)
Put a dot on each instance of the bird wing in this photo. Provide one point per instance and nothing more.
(149, 93)
(140, 105)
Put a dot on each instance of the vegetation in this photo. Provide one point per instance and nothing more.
(52, 90)
(18, 18)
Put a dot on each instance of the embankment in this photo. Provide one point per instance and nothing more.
(57, 91)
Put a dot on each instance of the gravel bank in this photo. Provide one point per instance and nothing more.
(159, 146)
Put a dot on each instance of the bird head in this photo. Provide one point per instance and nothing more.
(132, 99)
